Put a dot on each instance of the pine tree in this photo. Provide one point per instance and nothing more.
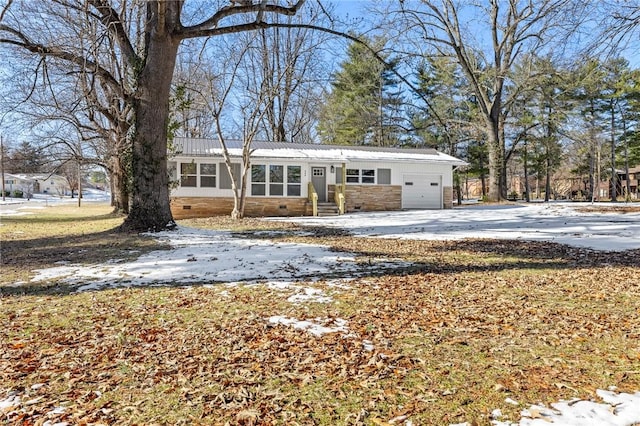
(364, 105)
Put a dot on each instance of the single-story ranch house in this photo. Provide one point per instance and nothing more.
(288, 179)
(34, 183)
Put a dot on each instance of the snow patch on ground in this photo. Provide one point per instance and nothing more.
(310, 295)
(560, 222)
(318, 327)
(204, 256)
(201, 256)
(616, 409)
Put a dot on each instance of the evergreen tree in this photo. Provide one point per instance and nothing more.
(605, 96)
(364, 105)
(588, 98)
(25, 158)
(614, 108)
(451, 116)
(549, 108)
(630, 146)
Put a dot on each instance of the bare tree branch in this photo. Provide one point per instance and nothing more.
(212, 22)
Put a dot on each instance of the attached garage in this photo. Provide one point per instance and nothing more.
(422, 191)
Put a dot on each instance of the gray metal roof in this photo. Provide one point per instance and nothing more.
(193, 147)
(196, 146)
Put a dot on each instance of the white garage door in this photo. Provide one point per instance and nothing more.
(422, 192)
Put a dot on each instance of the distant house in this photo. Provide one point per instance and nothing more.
(634, 177)
(285, 178)
(36, 183)
(603, 188)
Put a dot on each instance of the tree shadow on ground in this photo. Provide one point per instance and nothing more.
(376, 257)
(21, 257)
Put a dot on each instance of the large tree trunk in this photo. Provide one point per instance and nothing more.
(495, 171)
(495, 152)
(150, 205)
(119, 185)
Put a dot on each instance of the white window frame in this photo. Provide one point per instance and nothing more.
(189, 174)
(358, 177)
(203, 175)
(285, 184)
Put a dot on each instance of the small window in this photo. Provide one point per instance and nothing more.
(293, 181)
(258, 180)
(338, 175)
(368, 176)
(188, 174)
(207, 175)
(276, 180)
(353, 176)
(318, 171)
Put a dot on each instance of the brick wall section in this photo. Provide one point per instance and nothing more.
(190, 207)
(368, 198)
(447, 196)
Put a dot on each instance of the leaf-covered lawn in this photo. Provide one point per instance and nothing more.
(445, 341)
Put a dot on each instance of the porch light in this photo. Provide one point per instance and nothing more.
(333, 169)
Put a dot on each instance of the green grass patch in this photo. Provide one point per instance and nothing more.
(58, 235)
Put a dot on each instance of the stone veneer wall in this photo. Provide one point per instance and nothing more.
(191, 207)
(358, 198)
(367, 198)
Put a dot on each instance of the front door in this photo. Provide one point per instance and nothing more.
(319, 181)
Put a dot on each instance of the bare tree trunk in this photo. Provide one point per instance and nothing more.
(119, 190)
(246, 166)
(627, 195)
(150, 209)
(592, 175)
(496, 163)
(614, 174)
(547, 179)
(527, 189)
